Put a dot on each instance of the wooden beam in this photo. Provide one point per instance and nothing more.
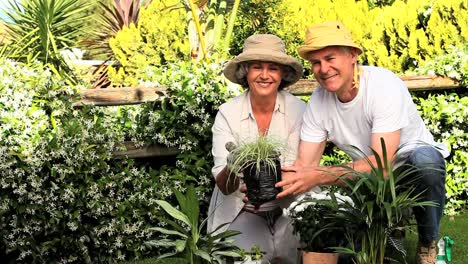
(120, 96)
(137, 95)
(145, 151)
(414, 83)
(424, 83)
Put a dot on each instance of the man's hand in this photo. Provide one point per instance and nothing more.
(298, 180)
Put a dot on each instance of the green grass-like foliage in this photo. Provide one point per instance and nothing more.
(185, 234)
(381, 199)
(264, 149)
(455, 228)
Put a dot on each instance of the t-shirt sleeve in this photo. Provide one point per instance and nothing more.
(312, 129)
(295, 117)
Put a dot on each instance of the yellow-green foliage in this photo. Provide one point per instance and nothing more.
(399, 37)
(160, 37)
(443, 34)
(303, 13)
(413, 32)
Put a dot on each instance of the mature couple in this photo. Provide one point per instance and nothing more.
(353, 105)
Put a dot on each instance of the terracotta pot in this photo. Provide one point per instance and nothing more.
(319, 258)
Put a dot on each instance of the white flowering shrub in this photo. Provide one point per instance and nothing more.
(62, 198)
(446, 116)
(453, 64)
(183, 119)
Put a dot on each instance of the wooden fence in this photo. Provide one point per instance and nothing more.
(137, 95)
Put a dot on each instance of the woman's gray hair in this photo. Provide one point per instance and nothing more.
(243, 68)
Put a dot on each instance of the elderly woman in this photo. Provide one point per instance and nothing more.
(264, 70)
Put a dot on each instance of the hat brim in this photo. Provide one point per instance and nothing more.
(305, 49)
(261, 55)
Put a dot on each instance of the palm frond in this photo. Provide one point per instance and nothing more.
(44, 28)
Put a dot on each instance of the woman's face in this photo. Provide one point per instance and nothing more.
(264, 78)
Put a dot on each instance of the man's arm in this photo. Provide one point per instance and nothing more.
(306, 173)
(392, 142)
(299, 177)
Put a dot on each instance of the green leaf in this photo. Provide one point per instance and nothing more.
(161, 243)
(203, 254)
(180, 245)
(172, 211)
(226, 234)
(167, 231)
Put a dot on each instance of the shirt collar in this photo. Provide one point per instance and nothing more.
(247, 107)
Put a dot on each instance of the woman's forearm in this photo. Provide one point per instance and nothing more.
(227, 182)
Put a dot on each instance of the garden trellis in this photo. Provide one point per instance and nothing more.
(137, 95)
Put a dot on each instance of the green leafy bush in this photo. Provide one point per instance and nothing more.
(453, 64)
(402, 35)
(414, 32)
(446, 116)
(186, 233)
(41, 29)
(63, 198)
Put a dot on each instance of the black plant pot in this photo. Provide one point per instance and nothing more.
(261, 183)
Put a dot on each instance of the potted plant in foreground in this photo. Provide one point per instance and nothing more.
(258, 163)
(316, 220)
(381, 199)
(374, 205)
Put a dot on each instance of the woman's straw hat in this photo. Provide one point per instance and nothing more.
(264, 47)
(330, 33)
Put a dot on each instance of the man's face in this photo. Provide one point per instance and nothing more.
(333, 68)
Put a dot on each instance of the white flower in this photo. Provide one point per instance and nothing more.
(299, 205)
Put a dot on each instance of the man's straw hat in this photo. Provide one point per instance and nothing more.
(330, 33)
(264, 47)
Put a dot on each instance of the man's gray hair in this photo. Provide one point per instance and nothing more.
(241, 74)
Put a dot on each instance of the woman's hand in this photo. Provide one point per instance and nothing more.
(243, 189)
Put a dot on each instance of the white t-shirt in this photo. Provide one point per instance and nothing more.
(383, 104)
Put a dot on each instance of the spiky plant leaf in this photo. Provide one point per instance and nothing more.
(44, 28)
(167, 231)
(172, 211)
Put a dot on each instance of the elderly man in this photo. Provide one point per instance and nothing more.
(358, 105)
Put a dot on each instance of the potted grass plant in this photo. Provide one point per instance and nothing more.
(257, 162)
